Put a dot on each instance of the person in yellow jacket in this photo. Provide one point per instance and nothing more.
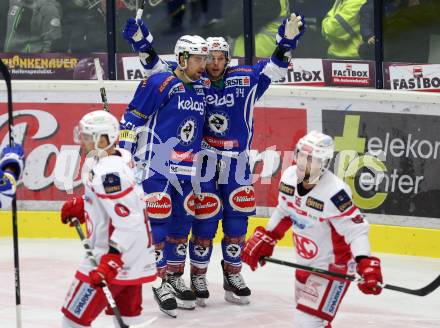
(265, 35)
(341, 28)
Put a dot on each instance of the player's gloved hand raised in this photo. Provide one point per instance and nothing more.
(260, 244)
(138, 35)
(369, 269)
(290, 31)
(107, 270)
(73, 208)
(12, 160)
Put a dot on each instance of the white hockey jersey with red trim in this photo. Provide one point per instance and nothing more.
(115, 211)
(327, 227)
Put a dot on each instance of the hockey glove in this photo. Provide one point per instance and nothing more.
(290, 31)
(73, 208)
(260, 244)
(12, 160)
(138, 35)
(369, 269)
(107, 270)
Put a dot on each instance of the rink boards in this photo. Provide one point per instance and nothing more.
(387, 151)
(383, 238)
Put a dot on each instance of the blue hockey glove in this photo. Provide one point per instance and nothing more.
(12, 159)
(290, 31)
(138, 35)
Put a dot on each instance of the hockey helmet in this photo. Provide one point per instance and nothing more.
(315, 150)
(96, 124)
(218, 43)
(190, 45)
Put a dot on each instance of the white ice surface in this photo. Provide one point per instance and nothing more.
(47, 267)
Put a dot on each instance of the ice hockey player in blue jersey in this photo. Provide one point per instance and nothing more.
(228, 133)
(11, 169)
(163, 128)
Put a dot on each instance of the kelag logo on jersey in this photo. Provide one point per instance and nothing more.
(227, 100)
(387, 159)
(237, 81)
(305, 247)
(191, 104)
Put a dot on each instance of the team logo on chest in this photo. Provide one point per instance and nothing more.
(187, 131)
(305, 247)
(219, 123)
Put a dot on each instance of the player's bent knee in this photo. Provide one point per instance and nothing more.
(160, 230)
(235, 225)
(205, 229)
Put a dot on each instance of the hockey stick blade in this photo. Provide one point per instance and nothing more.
(426, 290)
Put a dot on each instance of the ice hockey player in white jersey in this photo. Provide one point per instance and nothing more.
(11, 169)
(329, 233)
(114, 212)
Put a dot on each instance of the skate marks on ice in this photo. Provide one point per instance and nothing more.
(47, 268)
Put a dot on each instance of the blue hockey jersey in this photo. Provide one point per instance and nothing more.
(163, 126)
(230, 103)
(230, 111)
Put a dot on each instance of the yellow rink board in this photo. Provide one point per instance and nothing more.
(385, 239)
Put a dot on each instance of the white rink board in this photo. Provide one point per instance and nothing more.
(309, 98)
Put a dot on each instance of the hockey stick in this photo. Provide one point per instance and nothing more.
(7, 77)
(140, 10)
(100, 74)
(426, 290)
(108, 294)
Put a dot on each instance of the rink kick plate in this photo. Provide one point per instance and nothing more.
(383, 238)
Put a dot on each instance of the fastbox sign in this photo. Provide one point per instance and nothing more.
(390, 161)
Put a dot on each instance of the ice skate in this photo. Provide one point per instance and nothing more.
(166, 300)
(235, 288)
(185, 297)
(199, 286)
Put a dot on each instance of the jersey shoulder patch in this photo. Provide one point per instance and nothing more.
(341, 200)
(111, 183)
(166, 81)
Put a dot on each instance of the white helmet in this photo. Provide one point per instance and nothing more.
(318, 148)
(218, 43)
(96, 124)
(190, 45)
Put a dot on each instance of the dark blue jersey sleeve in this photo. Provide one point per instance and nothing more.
(151, 94)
